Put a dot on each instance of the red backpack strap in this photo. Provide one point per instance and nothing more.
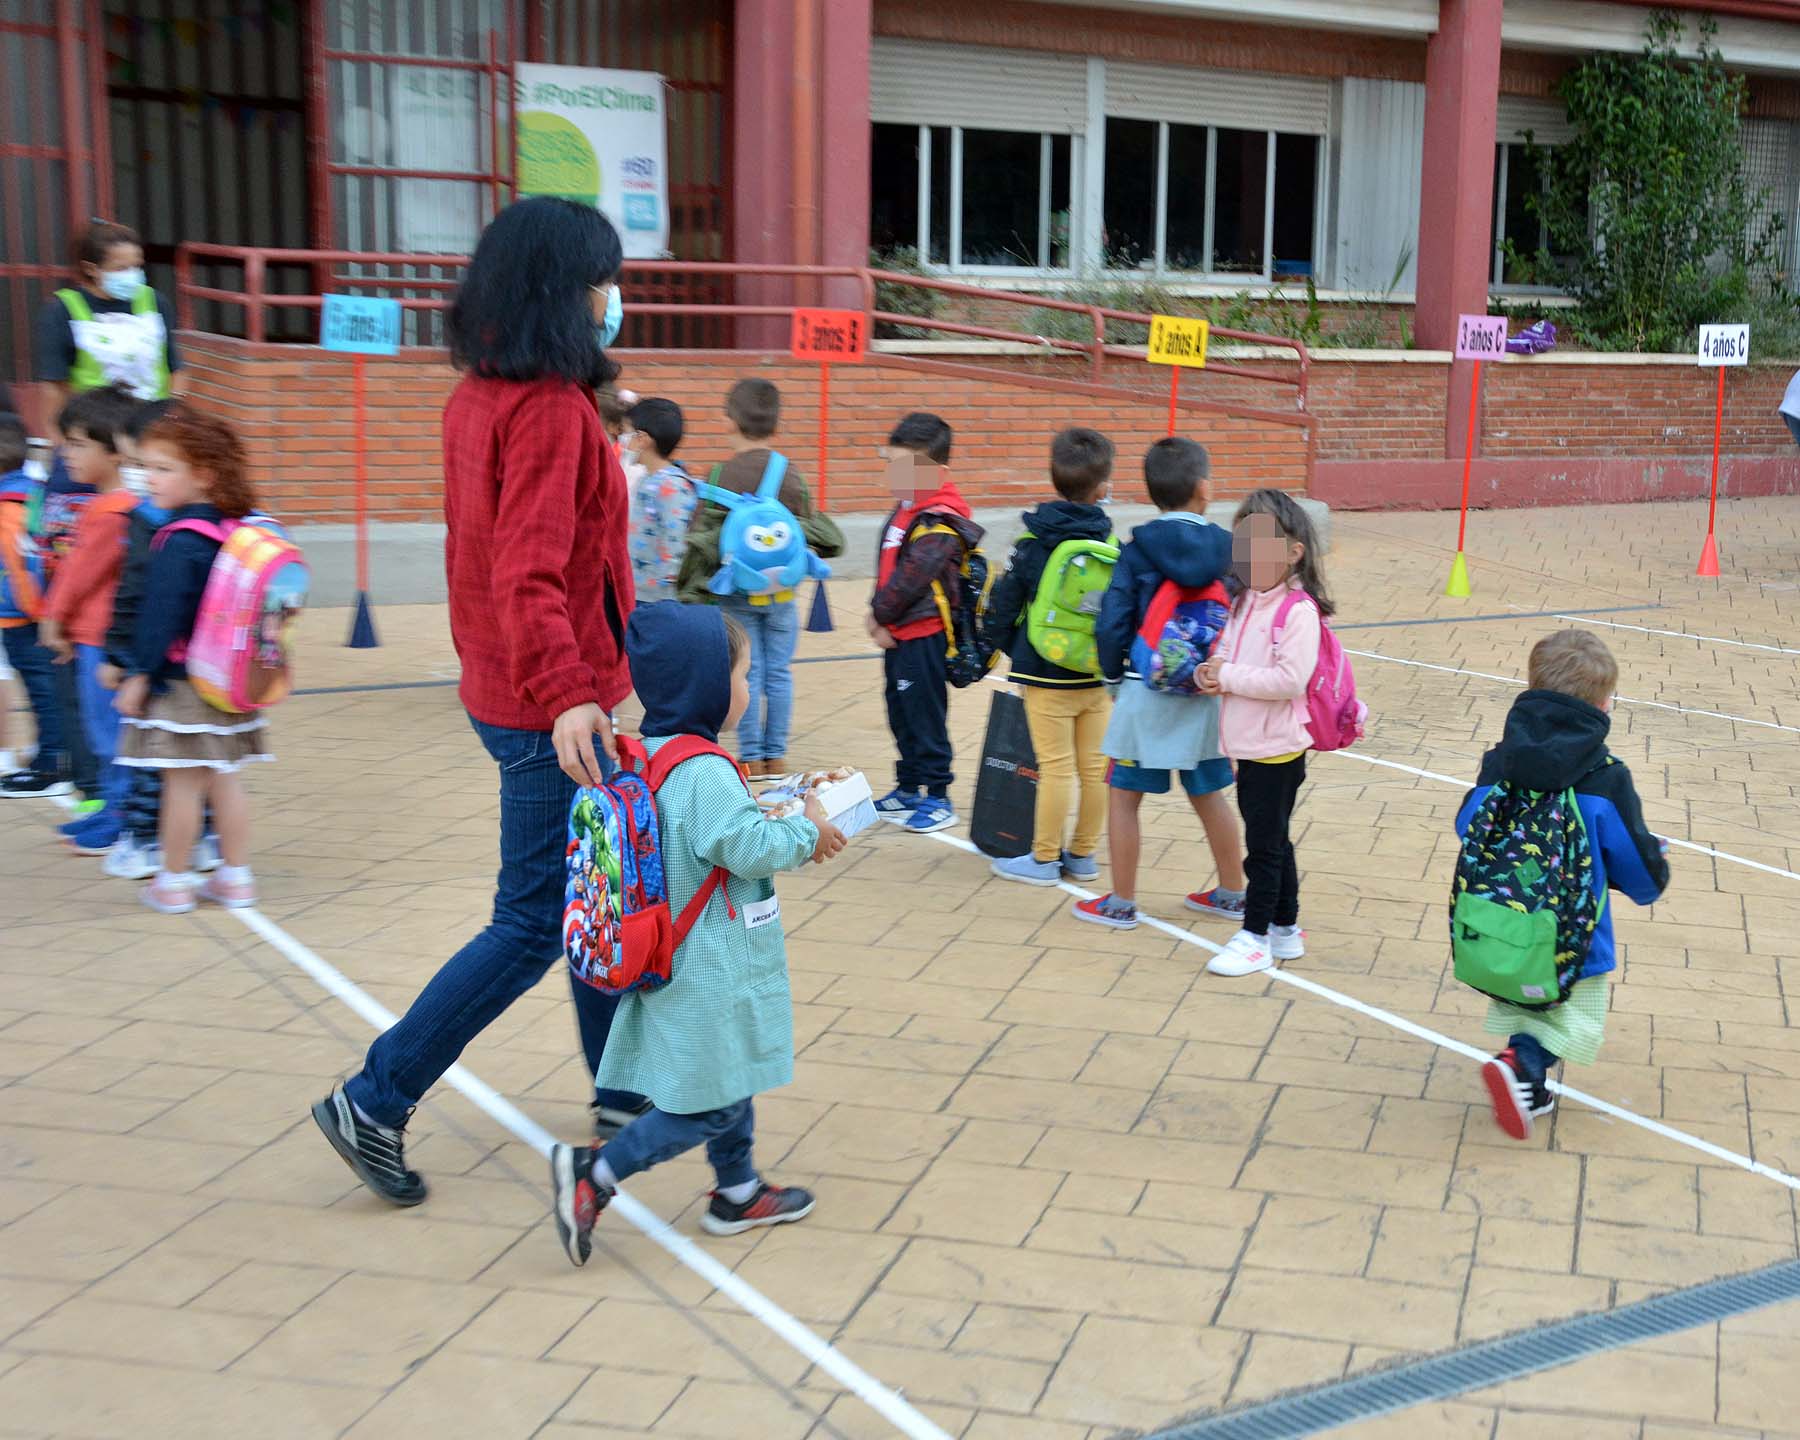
(1162, 605)
(679, 750)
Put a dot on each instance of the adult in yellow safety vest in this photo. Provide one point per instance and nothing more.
(110, 328)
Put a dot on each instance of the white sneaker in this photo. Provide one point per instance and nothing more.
(1244, 954)
(206, 854)
(1287, 942)
(129, 860)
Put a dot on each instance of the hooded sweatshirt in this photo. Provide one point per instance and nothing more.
(81, 601)
(1554, 741)
(1179, 546)
(907, 563)
(722, 1029)
(1047, 527)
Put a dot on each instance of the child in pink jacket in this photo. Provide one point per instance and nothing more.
(1262, 673)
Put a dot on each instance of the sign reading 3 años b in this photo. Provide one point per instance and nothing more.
(1177, 340)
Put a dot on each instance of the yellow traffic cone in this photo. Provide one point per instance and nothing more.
(1459, 578)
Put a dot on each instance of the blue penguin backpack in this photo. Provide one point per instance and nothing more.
(762, 549)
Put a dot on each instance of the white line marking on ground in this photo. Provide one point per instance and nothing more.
(870, 1391)
(1513, 680)
(1681, 635)
(1421, 1032)
(1670, 839)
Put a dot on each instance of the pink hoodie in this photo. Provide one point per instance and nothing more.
(1264, 709)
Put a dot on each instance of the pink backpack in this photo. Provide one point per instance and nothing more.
(237, 657)
(1334, 716)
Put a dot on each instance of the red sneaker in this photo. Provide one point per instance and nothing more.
(770, 1205)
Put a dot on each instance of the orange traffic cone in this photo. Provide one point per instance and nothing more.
(1709, 558)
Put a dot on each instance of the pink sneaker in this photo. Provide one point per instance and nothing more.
(224, 892)
(170, 899)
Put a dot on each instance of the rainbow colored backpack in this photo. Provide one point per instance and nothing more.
(619, 934)
(237, 657)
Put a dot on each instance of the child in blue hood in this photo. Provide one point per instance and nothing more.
(722, 1030)
(1152, 735)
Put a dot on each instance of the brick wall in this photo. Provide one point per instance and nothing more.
(293, 406)
(294, 409)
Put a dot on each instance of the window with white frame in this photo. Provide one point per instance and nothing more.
(972, 198)
(1209, 199)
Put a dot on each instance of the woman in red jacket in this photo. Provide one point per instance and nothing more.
(540, 588)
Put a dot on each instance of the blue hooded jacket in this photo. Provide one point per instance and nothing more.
(1179, 546)
(1554, 741)
(680, 664)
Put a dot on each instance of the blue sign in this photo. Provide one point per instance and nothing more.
(360, 325)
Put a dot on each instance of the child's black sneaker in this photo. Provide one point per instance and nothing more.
(377, 1153)
(35, 784)
(1517, 1100)
(770, 1205)
(576, 1198)
(609, 1120)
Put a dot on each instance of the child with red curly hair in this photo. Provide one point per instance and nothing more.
(195, 467)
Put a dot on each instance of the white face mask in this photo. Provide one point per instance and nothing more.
(122, 284)
(135, 478)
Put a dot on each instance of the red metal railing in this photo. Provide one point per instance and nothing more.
(1092, 352)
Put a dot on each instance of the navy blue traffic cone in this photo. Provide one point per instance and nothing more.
(820, 618)
(362, 628)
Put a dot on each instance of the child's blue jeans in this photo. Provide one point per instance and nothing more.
(1535, 1061)
(656, 1136)
(773, 629)
(100, 723)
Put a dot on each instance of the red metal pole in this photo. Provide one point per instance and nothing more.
(100, 110)
(362, 480)
(824, 423)
(1174, 394)
(1462, 527)
(1712, 505)
(78, 158)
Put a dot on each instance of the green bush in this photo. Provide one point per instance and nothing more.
(898, 299)
(1649, 203)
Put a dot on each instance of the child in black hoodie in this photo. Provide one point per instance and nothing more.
(1066, 709)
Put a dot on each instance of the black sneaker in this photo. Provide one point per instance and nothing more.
(770, 1205)
(377, 1153)
(36, 784)
(609, 1120)
(576, 1199)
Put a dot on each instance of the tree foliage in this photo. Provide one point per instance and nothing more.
(1649, 204)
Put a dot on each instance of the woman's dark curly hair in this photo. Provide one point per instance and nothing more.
(522, 311)
(213, 450)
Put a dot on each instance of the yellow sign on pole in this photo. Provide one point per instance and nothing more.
(1178, 340)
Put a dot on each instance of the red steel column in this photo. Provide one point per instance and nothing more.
(1462, 85)
(844, 144)
(762, 161)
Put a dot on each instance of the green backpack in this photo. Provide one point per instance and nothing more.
(1060, 620)
(1522, 903)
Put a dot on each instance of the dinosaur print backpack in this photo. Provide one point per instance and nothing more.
(1522, 903)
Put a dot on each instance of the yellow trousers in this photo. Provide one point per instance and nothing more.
(1067, 727)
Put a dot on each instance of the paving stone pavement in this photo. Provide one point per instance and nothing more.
(1070, 1187)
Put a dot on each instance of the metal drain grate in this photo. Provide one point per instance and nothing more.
(1442, 1377)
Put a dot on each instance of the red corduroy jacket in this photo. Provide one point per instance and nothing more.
(536, 552)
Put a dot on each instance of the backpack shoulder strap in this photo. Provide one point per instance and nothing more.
(679, 750)
(211, 529)
(1285, 609)
(773, 474)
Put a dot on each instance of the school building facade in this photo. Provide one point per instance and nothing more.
(1375, 147)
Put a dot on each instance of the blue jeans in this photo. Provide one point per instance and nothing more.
(1535, 1060)
(100, 722)
(33, 662)
(655, 1137)
(774, 629)
(521, 942)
